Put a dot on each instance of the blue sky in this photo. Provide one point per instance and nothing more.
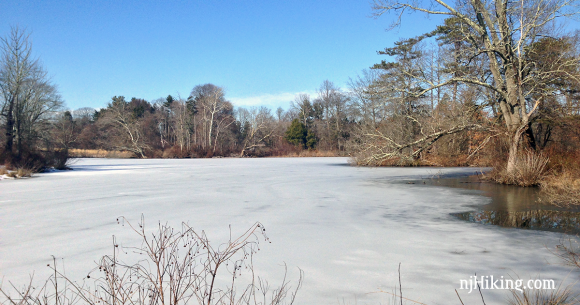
(261, 52)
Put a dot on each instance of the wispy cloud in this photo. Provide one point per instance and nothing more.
(269, 100)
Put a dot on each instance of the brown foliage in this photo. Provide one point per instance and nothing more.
(175, 152)
(99, 153)
(561, 189)
(559, 296)
(20, 173)
(529, 170)
(35, 161)
(561, 186)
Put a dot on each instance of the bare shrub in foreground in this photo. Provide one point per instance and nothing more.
(559, 296)
(569, 252)
(175, 267)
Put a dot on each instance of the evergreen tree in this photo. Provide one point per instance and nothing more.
(299, 135)
(168, 101)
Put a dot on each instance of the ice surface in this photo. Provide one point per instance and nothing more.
(348, 228)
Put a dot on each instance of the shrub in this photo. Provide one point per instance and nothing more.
(175, 152)
(530, 168)
(20, 173)
(59, 159)
(559, 296)
(28, 159)
(175, 266)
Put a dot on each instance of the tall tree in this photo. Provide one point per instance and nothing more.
(210, 99)
(367, 101)
(257, 127)
(501, 33)
(27, 95)
(126, 123)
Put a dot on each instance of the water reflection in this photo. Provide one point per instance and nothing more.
(512, 206)
(559, 221)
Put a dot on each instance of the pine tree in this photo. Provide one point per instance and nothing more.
(299, 135)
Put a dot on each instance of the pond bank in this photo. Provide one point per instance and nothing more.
(509, 206)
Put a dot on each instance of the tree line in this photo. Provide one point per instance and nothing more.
(206, 124)
(38, 131)
(493, 80)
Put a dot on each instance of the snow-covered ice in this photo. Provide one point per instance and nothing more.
(348, 228)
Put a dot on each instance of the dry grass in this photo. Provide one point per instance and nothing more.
(569, 251)
(562, 189)
(3, 171)
(310, 153)
(530, 169)
(559, 296)
(318, 153)
(444, 161)
(20, 173)
(99, 153)
(172, 153)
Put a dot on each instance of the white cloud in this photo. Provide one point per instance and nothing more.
(269, 100)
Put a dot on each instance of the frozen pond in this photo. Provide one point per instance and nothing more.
(348, 228)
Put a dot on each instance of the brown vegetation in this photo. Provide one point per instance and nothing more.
(20, 173)
(529, 171)
(98, 153)
(559, 296)
(562, 189)
(310, 153)
(561, 185)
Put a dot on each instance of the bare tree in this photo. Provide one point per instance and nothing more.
(211, 101)
(27, 95)
(366, 100)
(84, 113)
(303, 106)
(410, 123)
(128, 134)
(65, 130)
(333, 102)
(279, 114)
(258, 127)
(502, 34)
(180, 123)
